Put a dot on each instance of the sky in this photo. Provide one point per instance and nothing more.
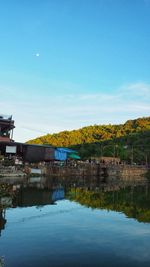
(66, 64)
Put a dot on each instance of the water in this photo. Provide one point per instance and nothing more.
(98, 226)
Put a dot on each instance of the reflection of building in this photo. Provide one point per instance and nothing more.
(2, 220)
(28, 197)
(6, 128)
(58, 194)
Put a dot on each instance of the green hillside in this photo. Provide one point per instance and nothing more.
(130, 141)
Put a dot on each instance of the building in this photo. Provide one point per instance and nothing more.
(110, 160)
(107, 160)
(6, 128)
(28, 152)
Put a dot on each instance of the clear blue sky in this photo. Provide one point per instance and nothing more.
(65, 64)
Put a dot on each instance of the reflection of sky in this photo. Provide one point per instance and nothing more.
(71, 234)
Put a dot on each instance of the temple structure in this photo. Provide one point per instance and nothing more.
(6, 128)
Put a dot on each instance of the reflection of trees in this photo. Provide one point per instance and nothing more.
(132, 201)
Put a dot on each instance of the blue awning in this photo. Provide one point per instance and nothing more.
(67, 150)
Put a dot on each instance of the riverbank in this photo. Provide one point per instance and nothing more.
(82, 169)
(12, 171)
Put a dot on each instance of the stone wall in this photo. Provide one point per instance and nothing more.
(84, 169)
(128, 172)
(123, 172)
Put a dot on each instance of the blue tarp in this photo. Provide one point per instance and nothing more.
(60, 155)
(67, 150)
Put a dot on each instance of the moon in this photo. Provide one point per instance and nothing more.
(37, 54)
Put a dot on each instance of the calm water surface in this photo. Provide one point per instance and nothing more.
(77, 227)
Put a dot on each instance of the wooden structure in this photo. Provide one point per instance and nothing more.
(34, 153)
(28, 152)
(110, 160)
(6, 128)
(107, 160)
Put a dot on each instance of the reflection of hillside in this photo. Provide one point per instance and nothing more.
(132, 201)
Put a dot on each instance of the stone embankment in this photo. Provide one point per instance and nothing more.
(123, 172)
(11, 171)
(84, 169)
(127, 172)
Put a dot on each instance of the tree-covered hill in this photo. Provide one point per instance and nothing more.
(132, 137)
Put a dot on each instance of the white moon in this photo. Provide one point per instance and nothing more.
(37, 54)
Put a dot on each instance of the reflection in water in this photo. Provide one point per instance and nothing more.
(131, 199)
(58, 194)
(134, 201)
(35, 191)
(2, 220)
(78, 230)
(28, 197)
